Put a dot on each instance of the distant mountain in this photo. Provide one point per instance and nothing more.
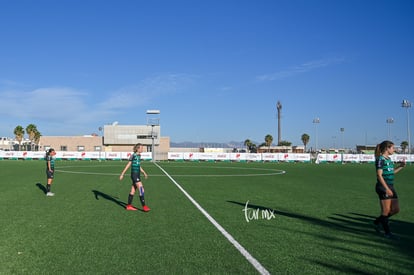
(190, 144)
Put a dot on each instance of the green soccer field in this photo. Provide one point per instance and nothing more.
(205, 218)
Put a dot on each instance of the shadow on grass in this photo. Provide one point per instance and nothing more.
(41, 187)
(403, 229)
(359, 225)
(99, 194)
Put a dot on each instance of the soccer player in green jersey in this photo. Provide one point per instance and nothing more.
(134, 162)
(50, 170)
(385, 186)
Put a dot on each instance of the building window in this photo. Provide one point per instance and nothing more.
(63, 148)
(81, 148)
(98, 148)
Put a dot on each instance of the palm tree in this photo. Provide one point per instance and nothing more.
(305, 139)
(37, 138)
(253, 148)
(19, 134)
(31, 130)
(248, 144)
(268, 141)
(285, 143)
(404, 145)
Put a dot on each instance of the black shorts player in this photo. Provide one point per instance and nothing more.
(382, 192)
(134, 162)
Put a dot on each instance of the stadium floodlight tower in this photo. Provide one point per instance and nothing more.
(389, 121)
(316, 121)
(407, 104)
(153, 119)
(342, 130)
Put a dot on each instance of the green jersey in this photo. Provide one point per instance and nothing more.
(135, 160)
(387, 167)
(52, 162)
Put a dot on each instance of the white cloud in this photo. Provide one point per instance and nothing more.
(8, 82)
(146, 91)
(67, 109)
(302, 68)
(44, 103)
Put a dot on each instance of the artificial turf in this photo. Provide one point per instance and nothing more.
(291, 217)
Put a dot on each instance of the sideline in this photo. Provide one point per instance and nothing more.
(236, 244)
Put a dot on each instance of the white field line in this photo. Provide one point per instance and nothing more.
(236, 244)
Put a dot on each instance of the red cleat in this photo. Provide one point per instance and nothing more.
(130, 207)
(146, 208)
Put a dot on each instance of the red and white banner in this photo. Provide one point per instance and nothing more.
(207, 156)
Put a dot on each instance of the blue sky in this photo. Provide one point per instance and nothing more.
(215, 69)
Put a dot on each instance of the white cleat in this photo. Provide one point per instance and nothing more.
(50, 194)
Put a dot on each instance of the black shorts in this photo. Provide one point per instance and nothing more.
(382, 194)
(50, 175)
(135, 177)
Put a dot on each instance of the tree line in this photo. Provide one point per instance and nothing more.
(34, 137)
(252, 148)
(268, 140)
(32, 132)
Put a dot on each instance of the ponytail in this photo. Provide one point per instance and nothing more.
(380, 148)
(377, 151)
(49, 151)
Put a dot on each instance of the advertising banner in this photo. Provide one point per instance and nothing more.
(367, 158)
(206, 156)
(250, 157)
(191, 156)
(333, 157)
(270, 157)
(175, 156)
(239, 156)
(300, 157)
(114, 155)
(350, 158)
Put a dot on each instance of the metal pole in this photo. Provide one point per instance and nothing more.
(389, 121)
(343, 147)
(408, 130)
(152, 147)
(407, 104)
(153, 122)
(316, 122)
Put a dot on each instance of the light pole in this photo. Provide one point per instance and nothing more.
(407, 104)
(343, 147)
(316, 122)
(153, 120)
(100, 147)
(389, 121)
(342, 137)
(279, 127)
